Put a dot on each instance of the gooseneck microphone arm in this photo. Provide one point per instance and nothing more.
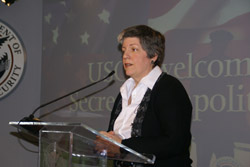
(31, 117)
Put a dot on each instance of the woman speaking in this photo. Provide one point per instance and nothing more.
(152, 112)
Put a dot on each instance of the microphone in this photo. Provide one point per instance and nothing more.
(31, 117)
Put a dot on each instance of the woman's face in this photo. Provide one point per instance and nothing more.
(135, 60)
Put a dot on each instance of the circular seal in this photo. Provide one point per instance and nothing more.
(12, 59)
(226, 162)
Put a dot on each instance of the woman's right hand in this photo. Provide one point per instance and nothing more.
(104, 146)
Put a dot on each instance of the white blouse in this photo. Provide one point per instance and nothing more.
(123, 123)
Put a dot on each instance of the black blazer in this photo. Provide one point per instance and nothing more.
(166, 125)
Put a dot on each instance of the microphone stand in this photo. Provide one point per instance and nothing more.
(31, 117)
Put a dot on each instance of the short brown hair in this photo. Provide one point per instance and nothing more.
(152, 41)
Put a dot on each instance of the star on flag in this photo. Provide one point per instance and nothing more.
(84, 38)
(104, 16)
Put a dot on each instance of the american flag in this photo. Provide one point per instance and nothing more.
(79, 34)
